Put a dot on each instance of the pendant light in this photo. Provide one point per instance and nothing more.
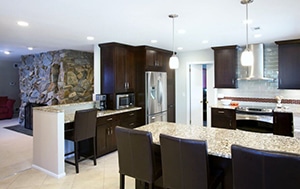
(174, 61)
(247, 54)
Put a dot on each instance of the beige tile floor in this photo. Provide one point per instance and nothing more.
(16, 159)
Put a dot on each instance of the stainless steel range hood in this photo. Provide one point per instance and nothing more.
(257, 69)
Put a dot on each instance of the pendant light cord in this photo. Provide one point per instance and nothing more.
(173, 37)
(247, 23)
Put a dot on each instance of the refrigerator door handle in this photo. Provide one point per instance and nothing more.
(159, 91)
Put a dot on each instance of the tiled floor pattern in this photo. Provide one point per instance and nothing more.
(16, 158)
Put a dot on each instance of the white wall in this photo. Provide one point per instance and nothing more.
(9, 82)
(185, 58)
(97, 67)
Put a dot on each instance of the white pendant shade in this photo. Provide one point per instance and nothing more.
(247, 58)
(174, 62)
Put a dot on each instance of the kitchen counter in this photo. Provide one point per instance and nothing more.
(219, 141)
(69, 110)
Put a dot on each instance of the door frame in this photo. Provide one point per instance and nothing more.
(211, 91)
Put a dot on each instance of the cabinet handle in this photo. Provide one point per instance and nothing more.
(232, 81)
(230, 123)
(111, 131)
(131, 124)
(127, 85)
(132, 114)
(221, 112)
(109, 119)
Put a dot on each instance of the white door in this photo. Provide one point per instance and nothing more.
(196, 94)
(195, 90)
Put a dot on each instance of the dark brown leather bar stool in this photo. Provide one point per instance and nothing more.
(137, 156)
(185, 164)
(264, 169)
(84, 128)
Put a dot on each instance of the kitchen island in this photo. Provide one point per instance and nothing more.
(48, 134)
(219, 142)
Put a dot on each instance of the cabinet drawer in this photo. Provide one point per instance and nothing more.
(107, 119)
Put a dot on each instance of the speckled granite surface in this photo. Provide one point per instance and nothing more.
(219, 141)
(70, 116)
(69, 110)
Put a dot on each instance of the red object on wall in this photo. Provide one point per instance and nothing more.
(6, 107)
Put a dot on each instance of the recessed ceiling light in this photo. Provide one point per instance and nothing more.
(90, 38)
(249, 21)
(23, 23)
(30, 48)
(180, 48)
(181, 31)
(154, 41)
(6, 52)
(257, 35)
(205, 41)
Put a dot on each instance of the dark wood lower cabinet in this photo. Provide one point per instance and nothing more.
(283, 124)
(106, 139)
(223, 118)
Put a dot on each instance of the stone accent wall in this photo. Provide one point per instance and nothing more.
(56, 77)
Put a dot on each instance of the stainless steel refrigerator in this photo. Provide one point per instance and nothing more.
(156, 96)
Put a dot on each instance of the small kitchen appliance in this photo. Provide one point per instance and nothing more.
(100, 102)
(125, 100)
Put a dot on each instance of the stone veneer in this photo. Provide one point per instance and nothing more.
(56, 77)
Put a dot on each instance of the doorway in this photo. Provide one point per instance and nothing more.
(201, 93)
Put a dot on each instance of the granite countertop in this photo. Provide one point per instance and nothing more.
(219, 141)
(70, 116)
(69, 110)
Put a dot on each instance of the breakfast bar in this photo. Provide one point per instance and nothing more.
(219, 142)
(49, 124)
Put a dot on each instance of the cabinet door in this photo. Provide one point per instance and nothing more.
(283, 124)
(120, 69)
(225, 66)
(289, 66)
(101, 140)
(130, 71)
(223, 118)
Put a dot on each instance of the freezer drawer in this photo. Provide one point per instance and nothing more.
(157, 117)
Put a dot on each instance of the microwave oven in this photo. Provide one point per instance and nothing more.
(126, 100)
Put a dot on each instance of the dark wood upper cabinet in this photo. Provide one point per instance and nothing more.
(117, 68)
(226, 59)
(288, 64)
(117, 71)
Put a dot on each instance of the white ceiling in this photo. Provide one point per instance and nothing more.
(65, 24)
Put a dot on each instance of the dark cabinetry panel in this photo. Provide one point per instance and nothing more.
(117, 70)
(283, 124)
(223, 118)
(225, 66)
(106, 139)
(288, 64)
(170, 91)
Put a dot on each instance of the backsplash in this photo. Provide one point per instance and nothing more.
(258, 89)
